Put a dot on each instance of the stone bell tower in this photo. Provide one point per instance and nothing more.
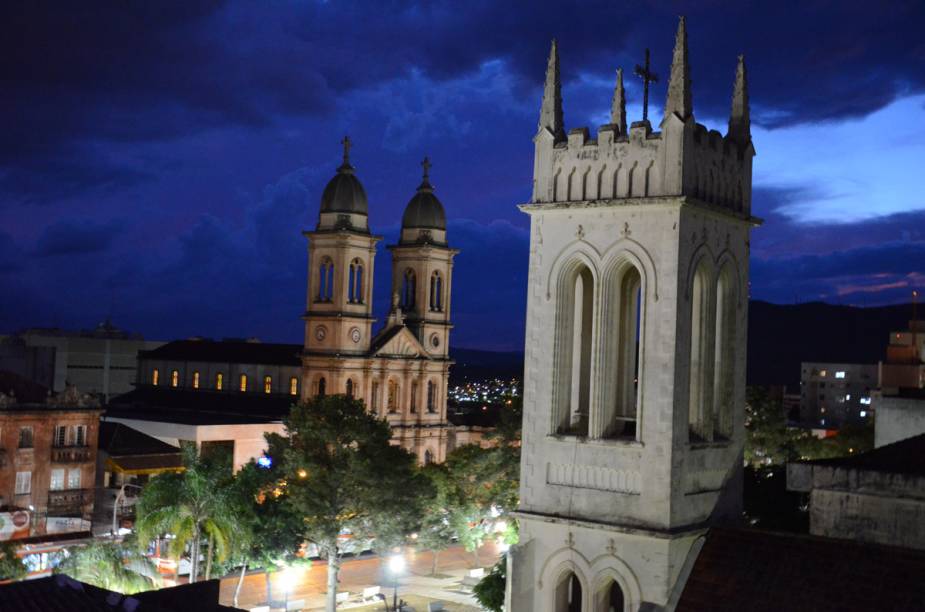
(635, 349)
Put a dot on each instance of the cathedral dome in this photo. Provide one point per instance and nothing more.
(424, 211)
(344, 193)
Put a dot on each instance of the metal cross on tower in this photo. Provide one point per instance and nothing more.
(426, 165)
(347, 144)
(647, 77)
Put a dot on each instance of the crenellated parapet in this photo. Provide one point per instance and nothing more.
(684, 158)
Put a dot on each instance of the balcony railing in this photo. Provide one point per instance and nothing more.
(70, 454)
(71, 501)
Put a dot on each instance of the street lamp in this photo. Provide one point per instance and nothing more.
(396, 566)
(288, 578)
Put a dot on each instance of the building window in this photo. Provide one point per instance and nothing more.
(23, 483)
(326, 280)
(267, 384)
(195, 380)
(73, 478)
(57, 480)
(219, 380)
(375, 397)
(840, 374)
(428, 457)
(294, 386)
(242, 386)
(620, 412)
(60, 436)
(431, 396)
(25, 437)
(392, 399)
(78, 436)
(568, 594)
(573, 359)
(175, 379)
(436, 292)
(822, 373)
(355, 282)
(699, 416)
(349, 388)
(155, 377)
(322, 387)
(414, 398)
(408, 290)
(724, 353)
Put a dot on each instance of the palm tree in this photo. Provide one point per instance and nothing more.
(111, 566)
(189, 505)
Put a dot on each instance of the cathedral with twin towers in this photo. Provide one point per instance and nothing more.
(401, 370)
(634, 377)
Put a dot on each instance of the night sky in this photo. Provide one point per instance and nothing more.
(160, 160)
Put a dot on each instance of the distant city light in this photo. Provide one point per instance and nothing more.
(863, 413)
(264, 461)
(865, 401)
(840, 374)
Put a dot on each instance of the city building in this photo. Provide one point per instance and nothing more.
(47, 459)
(835, 394)
(102, 361)
(212, 393)
(126, 460)
(400, 371)
(633, 428)
(877, 496)
(904, 367)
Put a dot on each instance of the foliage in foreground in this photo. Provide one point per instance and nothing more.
(338, 470)
(111, 566)
(191, 505)
(11, 566)
(490, 590)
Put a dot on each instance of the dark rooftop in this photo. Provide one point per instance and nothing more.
(760, 571)
(22, 388)
(903, 457)
(63, 594)
(199, 407)
(228, 351)
(120, 440)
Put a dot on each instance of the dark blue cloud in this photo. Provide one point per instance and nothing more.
(77, 237)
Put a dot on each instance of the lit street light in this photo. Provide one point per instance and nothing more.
(289, 579)
(396, 566)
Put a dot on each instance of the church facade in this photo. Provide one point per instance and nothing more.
(635, 349)
(401, 370)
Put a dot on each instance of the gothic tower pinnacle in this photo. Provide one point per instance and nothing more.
(739, 120)
(551, 109)
(679, 83)
(618, 105)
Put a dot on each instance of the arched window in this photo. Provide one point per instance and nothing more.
(195, 380)
(349, 388)
(610, 598)
(268, 384)
(621, 407)
(573, 346)
(242, 385)
(724, 352)
(436, 292)
(174, 378)
(219, 381)
(414, 397)
(294, 385)
(392, 399)
(408, 290)
(630, 177)
(155, 377)
(355, 282)
(568, 594)
(699, 391)
(326, 280)
(321, 387)
(431, 396)
(428, 457)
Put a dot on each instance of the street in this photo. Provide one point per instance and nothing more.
(357, 574)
